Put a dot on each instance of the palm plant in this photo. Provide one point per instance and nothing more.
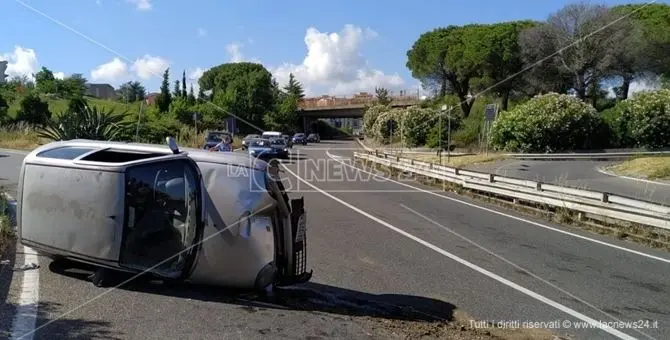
(85, 122)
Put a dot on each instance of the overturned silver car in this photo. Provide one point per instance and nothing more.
(191, 215)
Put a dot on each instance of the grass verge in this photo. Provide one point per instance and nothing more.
(456, 161)
(653, 168)
(645, 235)
(6, 232)
(20, 137)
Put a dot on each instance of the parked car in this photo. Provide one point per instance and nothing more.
(289, 141)
(213, 138)
(299, 138)
(247, 138)
(189, 215)
(268, 148)
(314, 138)
(271, 134)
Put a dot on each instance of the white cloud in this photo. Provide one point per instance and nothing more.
(641, 85)
(202, 32)
(59, 75)
(98, 2)
(193, 76)
(21, 62)
(334, 62)
(142, 5)
(150, 66)
(234, 52)
(112, 71)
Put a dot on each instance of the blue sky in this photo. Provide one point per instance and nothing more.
(197, 34)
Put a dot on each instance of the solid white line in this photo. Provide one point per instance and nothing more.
(490, 252)
(24, 322)
(513, 217)
(608, 173)
(474, 267)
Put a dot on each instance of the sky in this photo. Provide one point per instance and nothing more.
(333, 48)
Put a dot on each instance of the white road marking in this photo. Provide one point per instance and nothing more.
(511, 216)
(474, 267)
(608, 173)
(24, 322)
(490, 252)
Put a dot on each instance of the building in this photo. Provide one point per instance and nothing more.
(102, 91)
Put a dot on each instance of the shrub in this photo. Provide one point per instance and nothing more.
(643, 120)
(380, 128)
(370, 117)
(416, 122)
(33, 110)
(548, 123)
(85, 122)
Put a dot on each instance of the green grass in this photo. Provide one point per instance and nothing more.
(6, 233)
(644, 167)
(57, 105)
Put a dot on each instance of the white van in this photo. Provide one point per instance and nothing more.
(271, 134)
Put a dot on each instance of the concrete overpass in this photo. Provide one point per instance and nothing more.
(311, 109)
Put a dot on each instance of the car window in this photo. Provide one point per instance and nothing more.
(161, 201)
(278, 141)
(64, 152)
(261, 142)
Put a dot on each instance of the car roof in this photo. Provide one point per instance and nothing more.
(272, 133)
(198, 155)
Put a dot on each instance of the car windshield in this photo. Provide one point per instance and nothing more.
(299, 135)
(251, 136)
(261, 142)
(278, 141)
(216, 136)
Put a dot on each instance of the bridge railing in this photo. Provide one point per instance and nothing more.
(314, 103)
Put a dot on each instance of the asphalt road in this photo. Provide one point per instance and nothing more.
(581, 174)
(377, 246)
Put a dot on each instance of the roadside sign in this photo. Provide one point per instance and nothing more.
(490, 112)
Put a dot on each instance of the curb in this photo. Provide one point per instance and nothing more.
(648, 181)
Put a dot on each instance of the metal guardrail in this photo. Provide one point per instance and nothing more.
(584, 201)
(585, 155)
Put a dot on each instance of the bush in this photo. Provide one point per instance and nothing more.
(370, 117)
(548, 123)
(642, 120)
(416, 123)
(380, 129)
(33, 110)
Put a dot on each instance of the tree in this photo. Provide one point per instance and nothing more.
(201, 95)
(164, 98)
(383, 97)
(33, 110)
(132, 91)
(183, 85)
(243, 89)
(449, 59)
(3, 109)
(293, 87)
(585, 45)
(45, 81)
(191, 96)
(503, 60)
(73, 86)
(644, 51)
(285, 118)
(176, 93)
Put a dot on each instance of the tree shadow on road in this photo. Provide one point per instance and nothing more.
(309, 297)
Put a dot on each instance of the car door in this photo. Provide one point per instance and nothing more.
(163, 221)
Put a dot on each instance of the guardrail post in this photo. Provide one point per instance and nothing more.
(606, 197)
(376, 153)
(411, 161)
(491, 178)
(397, 158)
(386, 156)
(538, 186)
(456, 171)
(431, 165)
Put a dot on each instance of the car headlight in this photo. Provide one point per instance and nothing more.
(285, 150)
(253, 152)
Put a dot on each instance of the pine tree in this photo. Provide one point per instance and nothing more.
(201, 95)
(183, 84)
(191, 96)
(164, 99)
(294, 87)
(177, 91)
